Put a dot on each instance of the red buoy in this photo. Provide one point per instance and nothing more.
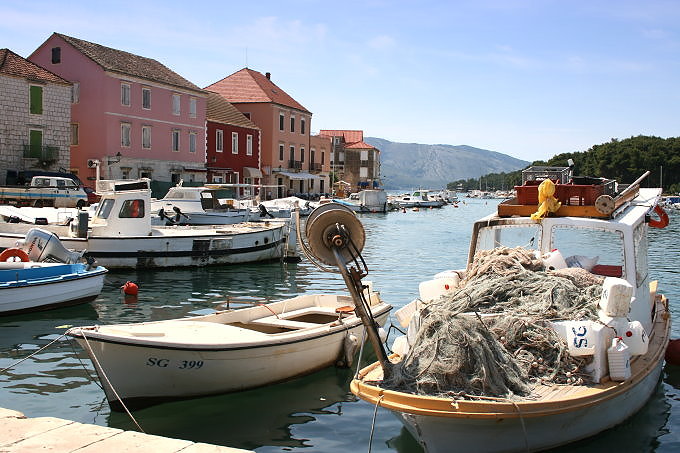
(130, 288)
(673, 352)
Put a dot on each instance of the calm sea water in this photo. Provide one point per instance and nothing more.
(313, 413)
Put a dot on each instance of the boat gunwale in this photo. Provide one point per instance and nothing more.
(268, 340)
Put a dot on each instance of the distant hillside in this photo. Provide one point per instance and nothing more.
(408, 165)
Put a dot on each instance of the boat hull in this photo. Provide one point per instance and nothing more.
(75, 285)
(442, 425)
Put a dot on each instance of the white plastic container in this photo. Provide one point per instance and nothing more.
(616, 297)
(400, 345)
(405, 313)
(581, 337)
(619, 360)
(602, 335)
(636, 338)
(554, 260)
(433, 289)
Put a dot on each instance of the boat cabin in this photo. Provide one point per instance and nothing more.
(615, 247)
(124, 209)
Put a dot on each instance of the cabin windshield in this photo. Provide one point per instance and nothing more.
(208, 201)
(528, 236)
(104, 209)
(599, 251)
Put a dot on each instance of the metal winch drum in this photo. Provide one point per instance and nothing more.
(323, 225)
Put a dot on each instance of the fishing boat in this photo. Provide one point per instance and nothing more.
(605, 362)
(120, 234)
(40, 273)
(186, 205)
(140, 364)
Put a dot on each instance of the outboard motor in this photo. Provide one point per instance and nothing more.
(43, 245)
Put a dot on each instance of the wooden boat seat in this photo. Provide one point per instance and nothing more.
(273, 321)
(287, 319)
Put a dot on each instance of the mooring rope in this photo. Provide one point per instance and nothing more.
(375, 413)
(33, 353)
(106, 378)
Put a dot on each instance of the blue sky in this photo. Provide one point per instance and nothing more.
(526, 78)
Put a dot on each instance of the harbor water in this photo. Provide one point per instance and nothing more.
(315, 412)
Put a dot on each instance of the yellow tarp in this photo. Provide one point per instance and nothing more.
(546, 201)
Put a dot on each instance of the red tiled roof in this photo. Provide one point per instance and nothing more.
(14, 65)
(349, 136)
(221, 111)
(359, 145)
(129, 64)
(248, 86)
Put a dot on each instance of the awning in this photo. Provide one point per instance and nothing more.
(300, 175)
(251, 172)
(189, 168)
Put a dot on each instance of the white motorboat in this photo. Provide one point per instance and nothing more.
(186, 205)
(120, 234)
(367, 200)
(417, 199)
(224, 352)
(40, 274)
(613, 362)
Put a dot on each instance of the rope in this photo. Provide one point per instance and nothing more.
(375, 413)
(32, 354)
(108, 382)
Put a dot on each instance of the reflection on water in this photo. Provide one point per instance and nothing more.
(316, 412)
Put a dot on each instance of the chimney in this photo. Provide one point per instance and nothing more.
(268, 75)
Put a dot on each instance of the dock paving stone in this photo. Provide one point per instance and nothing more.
(131, 441)
(70, 437)
(13, 430)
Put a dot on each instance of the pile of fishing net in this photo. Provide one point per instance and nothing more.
(492, 337)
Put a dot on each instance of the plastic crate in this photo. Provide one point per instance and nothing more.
(568, 194)
(559, 175)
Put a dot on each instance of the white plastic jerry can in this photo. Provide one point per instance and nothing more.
(581, 338)
(635, 338)
(618, 357)
(616, 297)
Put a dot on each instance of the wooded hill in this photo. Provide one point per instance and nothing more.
(622, 160)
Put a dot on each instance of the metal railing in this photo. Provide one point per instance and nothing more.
(43, 153)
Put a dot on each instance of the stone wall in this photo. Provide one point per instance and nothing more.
(55, 124)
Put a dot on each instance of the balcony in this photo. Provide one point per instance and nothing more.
(295, 164)
(45, 154)
(315, 167)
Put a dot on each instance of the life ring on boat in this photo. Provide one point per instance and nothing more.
(663, 218)
(13, 252)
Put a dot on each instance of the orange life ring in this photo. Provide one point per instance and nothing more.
(13, 252)
(663, 218)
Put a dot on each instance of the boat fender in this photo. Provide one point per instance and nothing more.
(10, 254)
(673, 352)
(130, 289)
(663, 218)
(349, 348)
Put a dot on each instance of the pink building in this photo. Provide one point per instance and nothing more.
(133, 114)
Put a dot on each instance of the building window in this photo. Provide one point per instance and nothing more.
(175, 104)
(175, 140)
(281, 120)
(146, 98)
(74, 134)
(363, 172)
(125, 94)
(36, 99)
(219, 141)
(249, 145)
(302, 126)
(292, 154)
(125, 135)
(126, 173)
(281, 152)
(192, 142)
(323, 158)
(192, 107)
(35, 142)
(56, 55)
(175, 178)
(145, 174)
(292, 123)
(234, 142)
(75, 93)
(302, 154)
(311, 156)
(146, 137)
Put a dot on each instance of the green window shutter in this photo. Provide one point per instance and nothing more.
(36, 143)
(36, 99)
